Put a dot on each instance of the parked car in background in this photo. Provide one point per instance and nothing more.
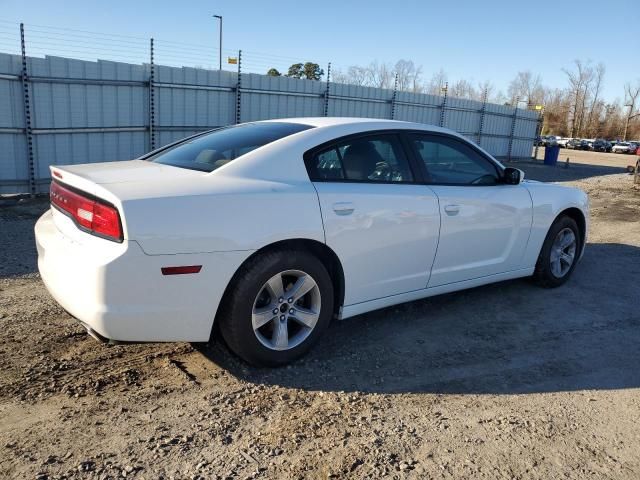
(634, 146)
(542, 141)
(623, 147)
(271, 229)
(547, 140)
(562, 142)
(577, 144)
(599, 146)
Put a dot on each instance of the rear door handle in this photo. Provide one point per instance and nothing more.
(452, 209)
(343, 208)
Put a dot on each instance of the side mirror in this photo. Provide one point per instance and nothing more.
(512, 176)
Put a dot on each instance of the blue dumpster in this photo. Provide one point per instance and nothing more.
(551, 154)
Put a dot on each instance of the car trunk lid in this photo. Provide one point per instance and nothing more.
(130, 171)
(118, 183)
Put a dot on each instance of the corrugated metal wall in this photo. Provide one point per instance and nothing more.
(84, 111)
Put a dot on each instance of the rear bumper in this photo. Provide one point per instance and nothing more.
(119, 293)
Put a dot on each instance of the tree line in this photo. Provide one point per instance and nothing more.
(577, 110)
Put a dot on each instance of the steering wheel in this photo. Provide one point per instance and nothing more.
(383, 171)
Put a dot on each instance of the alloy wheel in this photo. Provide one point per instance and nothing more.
(563, 252)
(286, 310)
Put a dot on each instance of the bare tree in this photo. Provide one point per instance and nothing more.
(527, 87)
(573, 111)
(379, 75)
(557, 104)
(408, 75)
(357, 75)
(596, 104)
(462, 89)
(338, 76)
(485, 88)
(416, 86)
(631, 94)
(437, 82)
(579, 81)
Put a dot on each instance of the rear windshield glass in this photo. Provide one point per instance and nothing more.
(212, 150)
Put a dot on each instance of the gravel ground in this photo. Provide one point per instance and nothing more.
(503, 381)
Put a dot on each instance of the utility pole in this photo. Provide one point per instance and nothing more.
(219, 43)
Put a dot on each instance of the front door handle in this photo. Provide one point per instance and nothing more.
(452, 209)
(343, 208)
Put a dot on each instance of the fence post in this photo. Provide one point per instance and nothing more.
(152, 103)
(393, 98)
(27, 115)
(238, 86)
(539, 125)
(444, 103)
(483, 111)
(326, 93)
(513, 129)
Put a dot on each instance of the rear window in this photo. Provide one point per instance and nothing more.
(215, 149)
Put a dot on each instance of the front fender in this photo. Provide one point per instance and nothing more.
(549, 201)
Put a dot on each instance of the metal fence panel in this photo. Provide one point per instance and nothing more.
(13, 149)
(10, 64)
(184, 99)
(84, 111)
(358, 101)
(497, 125)
(11, 108)
(265, 97)
(497, 146)
(13, 163)
(169, 136)
(521, 148)
(418, 107)
(79, 147)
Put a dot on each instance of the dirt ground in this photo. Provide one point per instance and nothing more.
(504, 381)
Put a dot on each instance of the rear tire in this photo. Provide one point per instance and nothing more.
(559, 254)
(263, 321)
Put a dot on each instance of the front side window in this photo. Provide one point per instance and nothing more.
(449, 161)
(213, 150)
(374, 158)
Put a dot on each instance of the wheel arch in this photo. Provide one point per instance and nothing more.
(577, 216)
(320, 250)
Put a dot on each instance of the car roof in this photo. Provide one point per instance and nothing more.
(320, 122)
(261, 162)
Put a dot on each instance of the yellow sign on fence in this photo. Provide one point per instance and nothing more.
(232, 60)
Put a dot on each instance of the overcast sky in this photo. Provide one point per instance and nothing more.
(475, 40)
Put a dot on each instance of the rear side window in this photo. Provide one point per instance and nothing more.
(374, 158)
(215, 149)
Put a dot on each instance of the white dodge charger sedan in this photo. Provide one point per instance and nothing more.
(271, 229)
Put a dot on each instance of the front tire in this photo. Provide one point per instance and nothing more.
(277, 307)
(559, 253)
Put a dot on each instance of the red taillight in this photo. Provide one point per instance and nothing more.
(96, 217)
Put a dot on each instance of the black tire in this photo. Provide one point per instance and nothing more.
(234, 317)
(543, 275)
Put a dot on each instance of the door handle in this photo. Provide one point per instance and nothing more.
(343, 208)
(452, 209)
